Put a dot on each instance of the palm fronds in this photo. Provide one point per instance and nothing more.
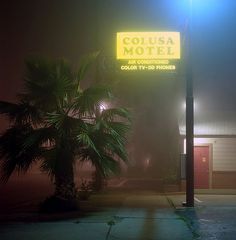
(113, 113)
(19, 148)
(106, 145)
(47, 83)
(20, 113)
(55, 122)
(89, 100)
(85, 64)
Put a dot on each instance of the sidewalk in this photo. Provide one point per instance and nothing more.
(214, 216)
(137, 216)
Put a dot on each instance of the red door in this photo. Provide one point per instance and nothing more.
(201, 167)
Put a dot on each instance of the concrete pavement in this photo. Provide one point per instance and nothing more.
(214, 216)
(134, 215)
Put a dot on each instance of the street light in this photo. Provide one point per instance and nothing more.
(189, 117)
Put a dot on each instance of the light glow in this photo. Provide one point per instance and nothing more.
(196, 141)
(103, 106)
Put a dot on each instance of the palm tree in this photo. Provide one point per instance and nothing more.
(56, 123)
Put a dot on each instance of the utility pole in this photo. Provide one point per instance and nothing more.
(189, 117)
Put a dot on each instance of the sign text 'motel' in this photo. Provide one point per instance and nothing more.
(148, 50)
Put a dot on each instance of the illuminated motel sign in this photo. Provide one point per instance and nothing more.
(148, 50)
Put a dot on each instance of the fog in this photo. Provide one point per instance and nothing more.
(71, 29)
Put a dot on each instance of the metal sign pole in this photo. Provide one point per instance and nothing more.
(189, 120)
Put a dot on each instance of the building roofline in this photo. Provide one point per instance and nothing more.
(212, 136)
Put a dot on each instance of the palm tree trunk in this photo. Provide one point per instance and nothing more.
(64, 180)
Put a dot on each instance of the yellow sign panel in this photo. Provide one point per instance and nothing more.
(148, 45)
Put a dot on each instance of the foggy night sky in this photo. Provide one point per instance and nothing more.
(69, 29)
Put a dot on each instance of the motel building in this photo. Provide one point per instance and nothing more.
(214, 150)
(214, 132)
